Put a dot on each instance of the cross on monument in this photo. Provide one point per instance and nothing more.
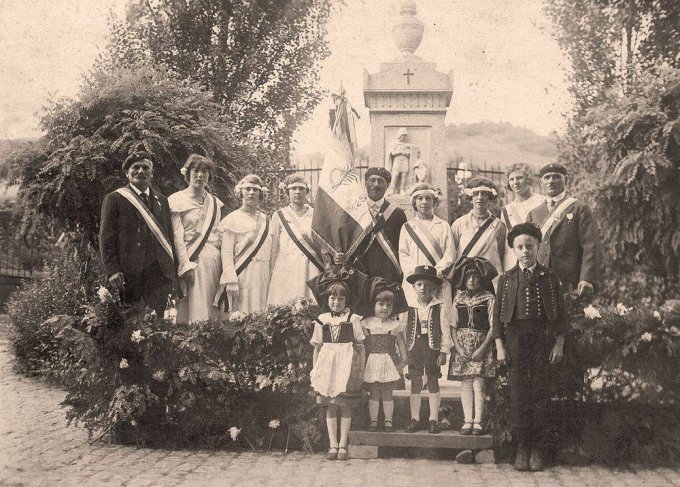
(408, 75)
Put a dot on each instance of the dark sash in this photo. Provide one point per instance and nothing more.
(477, 236)
(207, 233)
(420, 244)
(309, 252)
(257, 248)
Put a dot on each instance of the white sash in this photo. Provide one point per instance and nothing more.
(204, 224)
(148, 217)
(485, 240)
(555, 216)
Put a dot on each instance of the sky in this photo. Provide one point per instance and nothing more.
(507, 66)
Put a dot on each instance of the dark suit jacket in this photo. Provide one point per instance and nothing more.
(373, 260)
(123, 235)
(551, 297)
(574, 244)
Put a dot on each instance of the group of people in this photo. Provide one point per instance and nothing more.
(414, 291)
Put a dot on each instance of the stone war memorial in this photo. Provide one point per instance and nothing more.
(407, 102)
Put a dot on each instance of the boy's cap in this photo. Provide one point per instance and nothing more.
(424, 272)
(527, 228)
(558, 168)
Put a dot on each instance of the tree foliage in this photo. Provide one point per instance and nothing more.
(625, 160)
(260, 58)
(117, 113)
(611, 42)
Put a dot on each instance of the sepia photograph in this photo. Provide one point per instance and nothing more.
(340, 243)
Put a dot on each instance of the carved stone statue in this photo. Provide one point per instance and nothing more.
(401, 162)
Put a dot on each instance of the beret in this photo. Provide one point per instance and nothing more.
(558, 168)
(378, 171)
(134, 157)
(527, 228)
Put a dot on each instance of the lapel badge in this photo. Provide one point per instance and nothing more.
(570, 216)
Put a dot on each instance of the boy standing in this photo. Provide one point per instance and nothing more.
(428, 340)
(529, 314)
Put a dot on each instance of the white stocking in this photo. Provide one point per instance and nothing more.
(466, 398)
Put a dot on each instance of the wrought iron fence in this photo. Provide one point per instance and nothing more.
(16, 258)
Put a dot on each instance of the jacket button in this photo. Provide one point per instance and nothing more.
(139, 244)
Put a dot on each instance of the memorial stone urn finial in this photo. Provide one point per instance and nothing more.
(408, 29)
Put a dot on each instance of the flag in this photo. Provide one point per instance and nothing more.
(341, 219)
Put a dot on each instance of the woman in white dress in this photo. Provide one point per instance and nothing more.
(520, 183)
(195, 218)
(246, 250)
(294, 256)
(426, 240)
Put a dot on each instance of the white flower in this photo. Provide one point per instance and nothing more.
(300, 304)
(646, 337)
(274, 424)
(234, 432)
(104, 294)
(291, 366)
(123, 364)
(262, 381)
(133, 422)
(159, 375)
(282, 186)
(137, 336)
(237, 315)
(622, 310)
(657, 315)
(183, 171)
(591, 312)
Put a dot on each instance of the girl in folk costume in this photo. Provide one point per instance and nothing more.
(426, 240)
(246, 247)
(384, 333)
(294, 257)
(195, 220)
(480, 233)
(515, 212)
(338, 364)
(471, 332)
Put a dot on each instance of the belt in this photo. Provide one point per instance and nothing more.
(475, 328)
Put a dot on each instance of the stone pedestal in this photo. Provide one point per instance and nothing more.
(407, 102)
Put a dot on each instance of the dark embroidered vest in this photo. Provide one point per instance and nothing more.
(473, 317)
(434, 331)
(346, 334)
(529, 302)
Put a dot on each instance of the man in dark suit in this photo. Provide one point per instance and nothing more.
(378, 254)
(571, 238)
(135, 238)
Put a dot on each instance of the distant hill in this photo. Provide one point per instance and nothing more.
(498, 144)
(495, 145)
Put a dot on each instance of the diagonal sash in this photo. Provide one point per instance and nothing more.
(426, 244)
(206, 225)
(148, 218)
(250, 249)
(555, 216)
(386, 211)
(302, 241)
(506, 217)
(476, 244)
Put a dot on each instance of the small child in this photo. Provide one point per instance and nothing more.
(530, 318)
(338, 363)
(428, 340)
(384, 333)
(471, 328)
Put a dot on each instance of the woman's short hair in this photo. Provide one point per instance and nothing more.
(514, 167)
(424, 188)
(488, 185)
(196, 161)
(338, 289)
(296, 179)
(250, 181)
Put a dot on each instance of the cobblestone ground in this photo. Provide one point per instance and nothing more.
(37, 448)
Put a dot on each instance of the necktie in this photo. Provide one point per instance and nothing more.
(145, 199)
(527, 273)
(551, 204)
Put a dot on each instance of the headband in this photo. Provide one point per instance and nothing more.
(470, 191)
(431, 192)
(297, 184)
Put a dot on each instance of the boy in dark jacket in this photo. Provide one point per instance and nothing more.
(530, 319)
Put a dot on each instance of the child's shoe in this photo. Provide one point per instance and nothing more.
(332, 453)
(536, 460)
(388, 428)
(373, 426)
(434, 427)
(477, 429)
(466, 429)
(522, 458)
(413, 426)
(342, 454)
